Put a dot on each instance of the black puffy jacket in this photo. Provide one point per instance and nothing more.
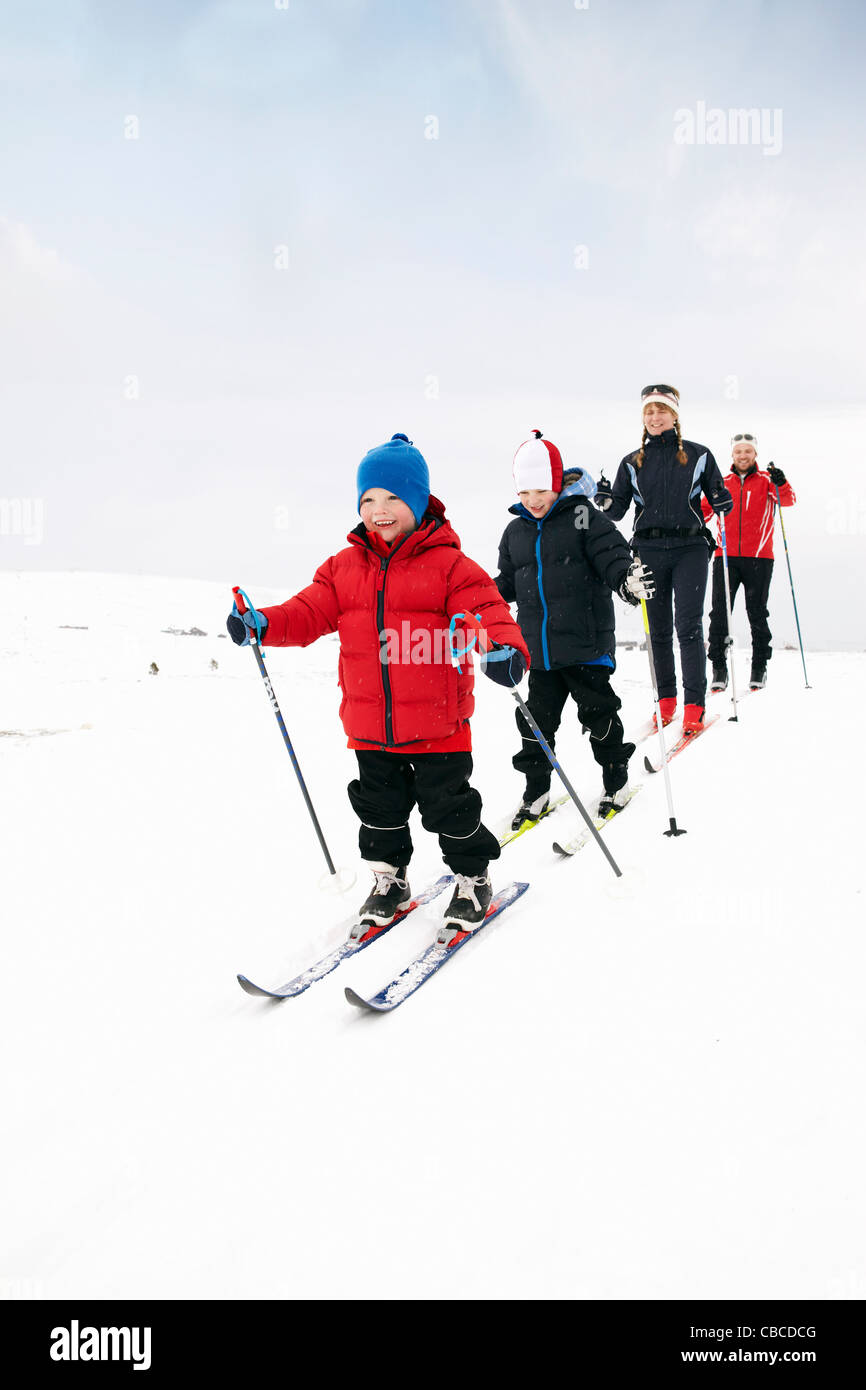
(666, 493)
(560, 571)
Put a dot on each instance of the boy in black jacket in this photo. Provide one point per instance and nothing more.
(559, 565)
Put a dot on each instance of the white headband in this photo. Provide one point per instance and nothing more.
(669, 402)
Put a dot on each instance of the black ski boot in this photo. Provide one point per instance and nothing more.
(720, 675)
(390, 892)
(616, 790)
(467, 908)
(614, 801)
(758, 678)
(531, 809)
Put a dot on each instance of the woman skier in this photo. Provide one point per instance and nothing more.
(665, 479)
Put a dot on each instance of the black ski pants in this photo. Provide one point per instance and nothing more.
(597, 706)
(387, 788)
(754, 575)
(680, 569)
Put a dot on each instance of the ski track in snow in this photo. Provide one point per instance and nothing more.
(648, 1087)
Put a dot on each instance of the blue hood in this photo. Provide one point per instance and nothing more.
(581, 485)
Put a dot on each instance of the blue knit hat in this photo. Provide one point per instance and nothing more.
(401, 469)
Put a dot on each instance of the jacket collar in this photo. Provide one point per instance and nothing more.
(435, 529)
(656, 441)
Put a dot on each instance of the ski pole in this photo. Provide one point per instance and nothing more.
(791, 581)
(474, 625)
(730, 644)
(557, 767)
(674, 828)
(243, 602)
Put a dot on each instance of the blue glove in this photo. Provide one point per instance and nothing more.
(505, 665)
(603, 494)
(721, 502)
(239, 628)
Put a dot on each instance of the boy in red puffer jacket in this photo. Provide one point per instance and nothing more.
(391, 596)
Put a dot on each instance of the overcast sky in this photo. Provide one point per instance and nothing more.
(241, 242)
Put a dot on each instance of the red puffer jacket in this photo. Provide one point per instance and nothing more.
(749, 527)
(401, 693)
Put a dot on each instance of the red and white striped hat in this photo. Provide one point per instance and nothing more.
(538, 465)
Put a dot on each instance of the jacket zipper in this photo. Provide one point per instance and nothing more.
(544, 647)
(666, 467)
(380, 625)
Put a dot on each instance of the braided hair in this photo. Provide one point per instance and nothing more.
(681, 455)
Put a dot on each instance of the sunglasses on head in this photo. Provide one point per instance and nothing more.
(662, 390)
(745, 439)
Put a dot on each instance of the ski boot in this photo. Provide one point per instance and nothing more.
(668, 708)
(693, 719)
(530, 809)
(390, 892)
(758, 678)
(614, 801)
(720, 675)
(467, 908)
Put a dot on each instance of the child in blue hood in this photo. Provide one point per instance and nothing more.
(560, 567)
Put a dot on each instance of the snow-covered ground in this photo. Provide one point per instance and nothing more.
(647, 1088)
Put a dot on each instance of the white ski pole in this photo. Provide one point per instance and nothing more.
(674, 828)
(733, 718)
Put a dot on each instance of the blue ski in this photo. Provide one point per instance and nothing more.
(419, 970)
(350, 947)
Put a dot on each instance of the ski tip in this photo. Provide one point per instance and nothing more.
(249, 988)
(359, 1001)
(561, 850)
(259, 992)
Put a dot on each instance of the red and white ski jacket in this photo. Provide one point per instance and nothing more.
(750, 525)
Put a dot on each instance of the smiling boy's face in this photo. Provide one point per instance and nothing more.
(385, 514)
(537, 501)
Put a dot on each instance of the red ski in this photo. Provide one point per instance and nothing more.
(682, 742)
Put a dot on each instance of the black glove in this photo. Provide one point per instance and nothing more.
(776, 476)
(721, 502)
(603, 494)
(505, 665)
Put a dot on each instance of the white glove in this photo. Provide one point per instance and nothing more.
(638, 583)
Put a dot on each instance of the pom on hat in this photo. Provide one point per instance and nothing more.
(668, 396)
(400, 468)
(538, 466)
